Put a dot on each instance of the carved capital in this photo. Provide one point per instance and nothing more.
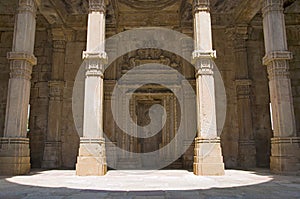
(97, 6)
(56, 90)
(272, 6)
(204, 66)
(27, 6)
(201, 6)
(239, 36)
(21, 65)
(59, 46)
(277, 55)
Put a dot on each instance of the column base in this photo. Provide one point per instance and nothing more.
(14, 156)
(52, 155)
(91, 160)
(285, 155)
(208, 159)
(247, 154)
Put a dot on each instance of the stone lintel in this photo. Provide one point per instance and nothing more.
(277, 55)
(22, 56)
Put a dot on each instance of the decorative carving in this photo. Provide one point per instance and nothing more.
(97, 6)
(201, 6)
(59, 46)
(144, 56)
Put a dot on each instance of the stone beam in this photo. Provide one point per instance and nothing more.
(247, 10)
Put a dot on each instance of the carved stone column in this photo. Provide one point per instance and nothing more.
(92, 159)
(208, 159)
(246, 147)
(285, 146)
(52, 150)
(14, 146)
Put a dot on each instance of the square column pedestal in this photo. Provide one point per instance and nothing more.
(208, 159)
(91, 160)
(15, 156)
(285, 158)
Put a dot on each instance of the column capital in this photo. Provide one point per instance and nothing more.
(277, 55)
(201, 6)
(27, 6)
(198, 54)
(239, 36)
(272, 5)
(97, 6)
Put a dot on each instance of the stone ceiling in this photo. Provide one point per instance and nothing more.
(132, 13)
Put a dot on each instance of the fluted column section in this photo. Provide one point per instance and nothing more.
(52, 150)
(246, 144)
(208, 158)
(285, 150)
(14, 146)
(92, 159)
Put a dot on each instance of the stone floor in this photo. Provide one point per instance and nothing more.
(172, 184)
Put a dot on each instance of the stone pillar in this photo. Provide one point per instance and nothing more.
(92, 159)
(285, 145)
(246, 146)
(14, 145)
(52, 150)
(208, 159)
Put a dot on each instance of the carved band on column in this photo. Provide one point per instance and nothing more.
(201, 5)
(94, 63)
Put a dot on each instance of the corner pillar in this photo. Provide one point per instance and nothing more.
(285, 145)
(91, 160)
(208, 159)
(14, 145)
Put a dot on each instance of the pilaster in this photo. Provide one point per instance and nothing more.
(52, 150)
(208, 159)
(14, 146)
(285, 150)
(243, 83)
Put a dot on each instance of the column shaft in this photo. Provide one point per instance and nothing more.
(285, 153)
(92, 158)
(208, 158)
(14, 153)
